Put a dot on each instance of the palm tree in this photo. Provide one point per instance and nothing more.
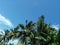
(26, 32)
(42, 30)
(45, 32)
(38, 33)
(58, 37)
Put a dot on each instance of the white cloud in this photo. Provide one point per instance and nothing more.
(56, 27)
(5, 21)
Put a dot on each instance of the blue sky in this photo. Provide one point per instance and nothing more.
(17, 11)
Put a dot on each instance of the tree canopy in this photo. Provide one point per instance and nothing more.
(33, 33)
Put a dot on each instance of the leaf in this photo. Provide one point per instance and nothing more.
(29, 24)
(40, 38)
(16, 28)
(20, 25)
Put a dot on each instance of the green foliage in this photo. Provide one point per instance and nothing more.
(38, 33)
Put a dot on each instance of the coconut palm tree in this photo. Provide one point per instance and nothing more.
(45, 32)
(38, 33)
(58, 37)
(26, 32)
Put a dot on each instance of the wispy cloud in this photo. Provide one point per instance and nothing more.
(56, 27)
(5, 21)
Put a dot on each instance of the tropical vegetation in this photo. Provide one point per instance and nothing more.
(38, 33)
